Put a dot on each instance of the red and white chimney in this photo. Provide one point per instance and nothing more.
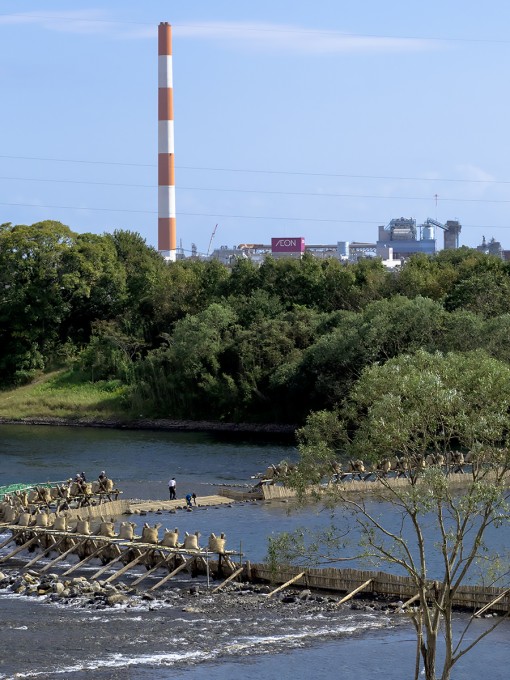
(166, 171)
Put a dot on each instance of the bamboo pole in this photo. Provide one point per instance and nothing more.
(65, 554)
(124, 569)
(10, 539)
(230, 578)
(109, 564)
(353, 593)
(288, 583)
(488, 606)
(86, 559)
(44, 552)
(19, 549)
(172, 573)
(159, 564)
(411, 600)
(229, 563)
(201, 560)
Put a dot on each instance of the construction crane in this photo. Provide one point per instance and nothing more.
(211, 239)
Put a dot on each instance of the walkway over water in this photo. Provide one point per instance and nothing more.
(137, 506)
(119, 557)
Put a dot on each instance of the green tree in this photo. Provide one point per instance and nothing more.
(257, 305)
(419, 405)
(337, 289)
(324, 373)
(186, 287)
(94, 281)
(372, 280)
(184, 377)
(485, 292)
(34, 298)
(143, 269)
(258, 351)
(112, 352)
(426, 276)
(243, 278)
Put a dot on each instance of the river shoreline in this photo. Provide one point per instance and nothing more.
(162, 424)
(233, 633)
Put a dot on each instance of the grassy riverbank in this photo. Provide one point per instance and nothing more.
(63, 394)
(64, 398)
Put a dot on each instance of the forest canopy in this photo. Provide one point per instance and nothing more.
(194, 339)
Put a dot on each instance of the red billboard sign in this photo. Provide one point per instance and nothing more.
(288, 244)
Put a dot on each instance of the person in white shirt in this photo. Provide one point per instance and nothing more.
(171, 489)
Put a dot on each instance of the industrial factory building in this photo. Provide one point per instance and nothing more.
(403, 237)
(398, 240)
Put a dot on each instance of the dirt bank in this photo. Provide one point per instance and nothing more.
(159, 424)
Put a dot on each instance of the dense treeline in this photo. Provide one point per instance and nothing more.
(193, 339)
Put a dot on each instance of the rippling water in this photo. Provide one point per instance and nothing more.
(161, 641)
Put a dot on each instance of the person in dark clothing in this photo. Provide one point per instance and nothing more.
(102, 479)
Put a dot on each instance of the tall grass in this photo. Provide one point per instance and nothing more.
(66, 394)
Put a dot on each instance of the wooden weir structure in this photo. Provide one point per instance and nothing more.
(379, 583)
(119, 556)
(116, 552)
(276, 490)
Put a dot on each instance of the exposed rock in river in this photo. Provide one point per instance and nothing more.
(79, 591)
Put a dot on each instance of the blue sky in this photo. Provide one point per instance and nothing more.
(292, 118)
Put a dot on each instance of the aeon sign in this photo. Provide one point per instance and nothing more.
(288, 245)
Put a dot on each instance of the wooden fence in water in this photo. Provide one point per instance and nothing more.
(381, 584)
(172, 560)
(111, 508)
(278, 490)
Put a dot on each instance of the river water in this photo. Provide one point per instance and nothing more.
(201, 638)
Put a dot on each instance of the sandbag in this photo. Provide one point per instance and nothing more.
(42, 519)
(171, 538)
(83, 526)
(107, 529)
(150, 534)
(25, 519)
(191, 541)
(11, 515)
(127, 530)
(217, 544)
(60, 523)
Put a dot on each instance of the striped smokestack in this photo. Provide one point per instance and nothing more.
(166, 173)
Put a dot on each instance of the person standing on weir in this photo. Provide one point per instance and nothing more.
(171, 489)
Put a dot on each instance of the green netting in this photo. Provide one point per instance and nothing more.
(11, 488)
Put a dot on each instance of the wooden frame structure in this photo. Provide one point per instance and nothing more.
(478, 599)
(130, 553)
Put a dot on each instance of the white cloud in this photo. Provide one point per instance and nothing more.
(78, 21)
(246, 35)
(481, 184)
(474, 173)
(289, 38)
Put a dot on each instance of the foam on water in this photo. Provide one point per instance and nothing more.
(108, 619)
(241, 646)
(116, 661)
